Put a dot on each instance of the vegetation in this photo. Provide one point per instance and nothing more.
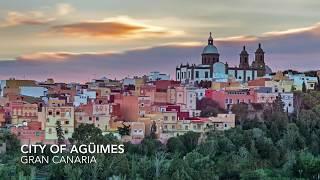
(279, 147)
(60, 133)
(209, 107)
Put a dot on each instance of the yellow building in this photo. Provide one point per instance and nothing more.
(138, 83)
(226, 85)
(280, 86)
(64, 114)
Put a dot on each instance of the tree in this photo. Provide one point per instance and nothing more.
(174, 145)
(278, 105)
(153, 130)
(190, 140)
(124, 130)
(304, 88)
(60, 134)
(87, 133)
(241, 110)
(209, 107)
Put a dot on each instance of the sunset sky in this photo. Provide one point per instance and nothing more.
(78, 40)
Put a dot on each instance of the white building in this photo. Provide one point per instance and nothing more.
(299, 79)
(287, 99)
(212, 70)
(200, 93)
(155, 75)
(84, 97)
(186, 97)
(34, 91)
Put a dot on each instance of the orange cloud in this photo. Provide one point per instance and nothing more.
(237, 39)
(314, 29)
(119, 27)
(57, 56)
(60, 56)
(14, 18)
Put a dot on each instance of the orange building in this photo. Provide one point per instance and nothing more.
(129, 107)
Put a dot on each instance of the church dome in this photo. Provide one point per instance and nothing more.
(210, 49)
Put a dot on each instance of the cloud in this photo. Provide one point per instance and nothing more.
(299, 50)
(64, 9)
(237, 39)
(60, 56)
(312, 30)
(118, 27)
(15, 18)
(40, 56)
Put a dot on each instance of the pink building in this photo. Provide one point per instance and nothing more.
(22, 111)
(94, 113)
(2, 117)
(266, 97)
(144, 103)
(129, 107)
(30, 134)
(225, 99)
(148, 90)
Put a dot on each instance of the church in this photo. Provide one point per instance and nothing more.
(211, 69)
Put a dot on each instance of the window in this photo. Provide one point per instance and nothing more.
(48, 120)
(173, 118)
(165, 127)
(178, 76)
(50, 113)
(66, 131)
(227, 101)
(97, 118)
(290, 104)
(67, 122)
(50, 131)
(165, 118)
(206, 74)
(186, 127)
(197, 74)
(173, 127)
(80, 118)
(225, 125)
(230, 101)
(57, 113)
(90, 118)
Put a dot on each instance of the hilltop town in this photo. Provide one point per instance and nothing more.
(202, 98)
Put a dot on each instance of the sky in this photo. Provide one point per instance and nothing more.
(78, 40)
